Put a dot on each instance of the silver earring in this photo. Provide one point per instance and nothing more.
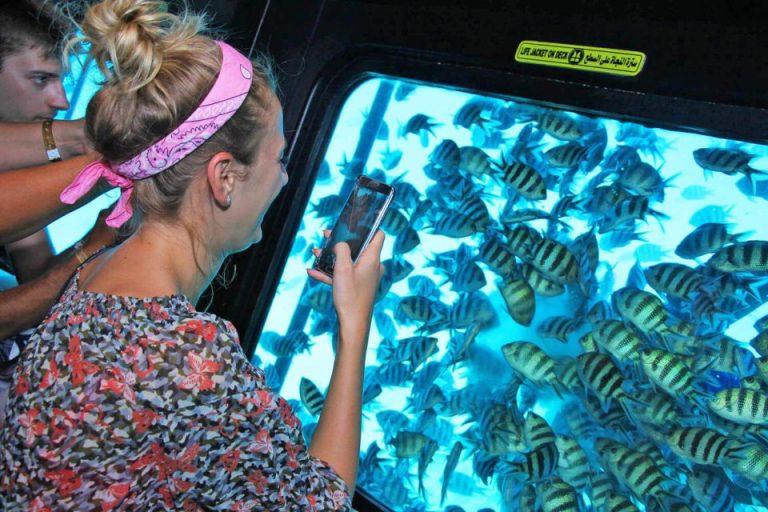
(229, 201)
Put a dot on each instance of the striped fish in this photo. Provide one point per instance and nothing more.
(566, 155)
(446, 155)
(527, 500)
(454, 225)
(644, 310)
(634, 469)
(726, 161)
(474, 207)
(393, 374)
(530, 361)
(657, 409)
(600, 374)
(614, 337)
(536, 465)
(601, 310)
(674, 279)
(557, 327)
(406, 241)
(630, 209)
(573, 463)
(750, 461)
(419, 309)
(602, 487)
(588, 343)
(450, 465)
(476, 111)
(700, 445)
(523, 179)
(475, 161)
(521, 239)
(558, 496)
(394, 222)
(568, 374)
(311, 397)
(560, 125)
(760, 343)
(618, 503)
(744, 406)
(539, 282)
(497, 256)
(751, 256)
(705, 239)
(642, 179)
(520, 301)
(468, 278)
(537, 431)
(320, 298)
(711, 489)
(425, 457)
(667, 371)
(555, 261)
(408, 444)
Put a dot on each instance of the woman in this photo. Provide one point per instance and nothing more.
(127, 397)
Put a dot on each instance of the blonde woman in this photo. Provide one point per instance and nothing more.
(126, 397)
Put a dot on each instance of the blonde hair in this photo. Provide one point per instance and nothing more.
(158, 68)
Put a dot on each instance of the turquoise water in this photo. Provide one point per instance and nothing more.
(448, 398)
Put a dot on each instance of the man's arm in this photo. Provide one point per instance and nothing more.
(29, 198)
(30, 256)
(25, 306)
(23, 143)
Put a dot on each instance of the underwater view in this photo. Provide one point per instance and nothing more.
(573, 312)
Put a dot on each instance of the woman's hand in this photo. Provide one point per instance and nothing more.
(354, 285)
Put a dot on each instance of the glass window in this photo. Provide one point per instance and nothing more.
(567, 299)
(80, 84)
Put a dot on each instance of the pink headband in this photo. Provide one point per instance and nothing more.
(225, 97)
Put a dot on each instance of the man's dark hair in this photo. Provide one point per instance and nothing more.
(28, 24)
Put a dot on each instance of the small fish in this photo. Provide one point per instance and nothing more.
(294, 342)
(619, 238)
(394, 222)
(618, 503)
(617, 339)
(751, 462)
(674, 279)
(600, 374)
(537, 431)
(558, 496)
(650, 252)
(475, 112)
(425, 457)
(320, 298)
(695, 192)
(643, 179)
(573, 462)
(408, 444)
(711, 214)
(750, 256)
(744, 406)
(627, 211)
(521, 239)
(328, 206)
(667, 371)
(753, 188)
(397, 268)
(560, 125)
(699, 445)
(454, 225)
(406, 241)
(384, 324)
(643, 309)
(420, 125)
(540, 283)
(393, 374)
(555, 261)
(635, 469)
(390, 159)
(311, 397)
(446, 155)
(557, 327)
(468, 278)
(495, 254)
(520, 300)
(474, 161)
(419, 309)
(536, 465)
(726, 161)
(404, 90)
(475, 209)
(424, 286)
(450, 465)
(707, 238)
(567, 155)
(523, 179)
(710, 488)
(530, 362)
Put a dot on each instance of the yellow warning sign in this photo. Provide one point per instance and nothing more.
(585, 58)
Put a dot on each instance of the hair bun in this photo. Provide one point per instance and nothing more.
(129, 38)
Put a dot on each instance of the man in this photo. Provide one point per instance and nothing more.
(30, 93)
(31, 90)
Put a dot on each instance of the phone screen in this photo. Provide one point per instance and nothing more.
(359, 218)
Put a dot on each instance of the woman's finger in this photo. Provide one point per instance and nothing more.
(316, 252)
(319, 276)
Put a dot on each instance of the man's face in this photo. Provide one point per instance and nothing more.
(30, 86)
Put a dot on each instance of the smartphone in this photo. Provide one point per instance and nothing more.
(360, 218)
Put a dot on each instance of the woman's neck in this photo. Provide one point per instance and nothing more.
(166, 258)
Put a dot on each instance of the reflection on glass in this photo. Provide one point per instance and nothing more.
(566, 315)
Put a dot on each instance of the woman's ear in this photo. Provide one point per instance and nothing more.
(221, 177)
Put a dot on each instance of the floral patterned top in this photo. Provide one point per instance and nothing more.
(124, 403)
